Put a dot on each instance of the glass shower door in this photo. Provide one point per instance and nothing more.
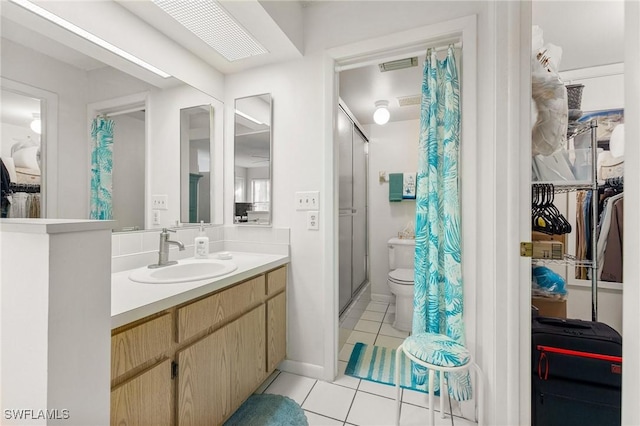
(345, 223)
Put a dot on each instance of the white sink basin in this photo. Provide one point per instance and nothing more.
(184, 271)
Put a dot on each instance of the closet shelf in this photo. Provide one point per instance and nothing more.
(568, 260)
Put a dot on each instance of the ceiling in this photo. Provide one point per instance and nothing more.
(18, 109)
(593, 35)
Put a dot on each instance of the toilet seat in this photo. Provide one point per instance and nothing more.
(402, 276)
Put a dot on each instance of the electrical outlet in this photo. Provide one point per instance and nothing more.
(160, 202)
(156, 217)
(313, 220)
(307, 200)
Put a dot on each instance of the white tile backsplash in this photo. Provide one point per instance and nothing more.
(130, 243)
(137, 249)
(150, 241)
(115, 245)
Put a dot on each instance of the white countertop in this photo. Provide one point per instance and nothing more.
(131, 301)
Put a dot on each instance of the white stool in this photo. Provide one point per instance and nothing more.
(426, 349)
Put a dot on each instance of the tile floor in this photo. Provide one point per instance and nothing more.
(349, 400)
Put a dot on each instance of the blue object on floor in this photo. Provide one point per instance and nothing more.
(268, 410)
(377, 364)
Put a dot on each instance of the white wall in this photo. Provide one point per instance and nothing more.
(70, 84)
(392, 148)
(128, 171)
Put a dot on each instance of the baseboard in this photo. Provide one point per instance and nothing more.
(386, 298)
(303, 369)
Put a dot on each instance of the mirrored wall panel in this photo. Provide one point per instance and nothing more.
(195, 163)
(252, 166)
(129, 169)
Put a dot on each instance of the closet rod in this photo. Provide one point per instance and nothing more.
(374, 61)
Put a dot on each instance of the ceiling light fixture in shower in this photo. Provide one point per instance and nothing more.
(381, 115)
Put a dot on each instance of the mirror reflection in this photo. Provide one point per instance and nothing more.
(252, 154)
(137, 117)
(195, 163)
(20, 156)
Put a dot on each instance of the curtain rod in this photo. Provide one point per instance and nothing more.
(376, 60)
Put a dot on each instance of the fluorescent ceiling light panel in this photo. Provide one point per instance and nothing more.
(248, 117)
(211, 23)
(88, 36)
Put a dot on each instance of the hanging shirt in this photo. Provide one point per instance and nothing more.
(612, 262)
(604, 230)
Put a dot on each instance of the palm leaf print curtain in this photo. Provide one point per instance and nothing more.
(438, 273)
(101, 168)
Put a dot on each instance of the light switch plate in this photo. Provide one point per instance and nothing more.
(313, 220)
(307, 200)
(160, 202)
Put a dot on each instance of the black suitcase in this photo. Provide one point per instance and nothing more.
(577, 373)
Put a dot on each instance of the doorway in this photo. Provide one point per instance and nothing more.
(370, 52)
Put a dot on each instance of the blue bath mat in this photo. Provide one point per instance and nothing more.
(378, 364)
(268, 410)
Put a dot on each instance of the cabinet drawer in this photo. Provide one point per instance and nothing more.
(140, 344)
(276, 280)
(219, 308)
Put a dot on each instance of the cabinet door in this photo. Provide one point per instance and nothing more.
(204, 380)
(247, 337)
(144, 400)
(276, 331)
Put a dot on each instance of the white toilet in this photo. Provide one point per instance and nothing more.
(401, 262)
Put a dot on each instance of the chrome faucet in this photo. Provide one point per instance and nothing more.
(163, 252)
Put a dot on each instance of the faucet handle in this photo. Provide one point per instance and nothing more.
(165, 230)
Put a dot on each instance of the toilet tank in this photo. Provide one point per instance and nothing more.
(401, 253)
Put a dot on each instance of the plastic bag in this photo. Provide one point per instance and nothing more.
(549, 96)
(546, 283)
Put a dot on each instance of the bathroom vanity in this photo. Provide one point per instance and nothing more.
(204, 349)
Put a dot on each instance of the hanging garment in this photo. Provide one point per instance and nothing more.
(5, 192)
(18, 207)
(581, 242)
(612, 262)
(604, 231)
(33, 206)
(438, 298)
(101, 168)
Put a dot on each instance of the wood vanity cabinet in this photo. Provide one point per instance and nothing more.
(196, 363)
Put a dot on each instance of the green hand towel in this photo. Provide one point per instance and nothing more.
(395, 186)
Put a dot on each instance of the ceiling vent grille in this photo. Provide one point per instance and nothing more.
(399, 64)
(409, 100)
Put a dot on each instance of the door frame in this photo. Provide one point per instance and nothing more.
(403, 43)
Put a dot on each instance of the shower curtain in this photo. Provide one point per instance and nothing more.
(101, 168)
(438, 296)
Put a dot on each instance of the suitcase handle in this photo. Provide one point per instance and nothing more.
(562, 323)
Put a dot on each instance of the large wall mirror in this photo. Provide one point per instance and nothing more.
(252, 155)
(196, 124)
(138, 114)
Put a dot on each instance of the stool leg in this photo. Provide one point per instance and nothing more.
(432, 411)
(399, 353)
(442, 394)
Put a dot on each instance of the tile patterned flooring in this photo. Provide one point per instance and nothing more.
(349, 400)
